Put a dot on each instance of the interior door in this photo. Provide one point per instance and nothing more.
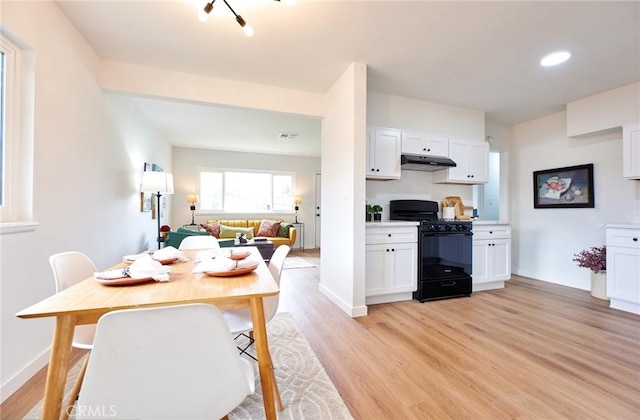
(317, 210)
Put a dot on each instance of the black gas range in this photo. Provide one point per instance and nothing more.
(444, 250)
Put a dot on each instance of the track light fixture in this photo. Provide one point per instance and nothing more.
(204, 14)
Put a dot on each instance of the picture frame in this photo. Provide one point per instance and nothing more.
(146, 199)
(568, 187)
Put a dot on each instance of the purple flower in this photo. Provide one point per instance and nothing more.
(594, 258)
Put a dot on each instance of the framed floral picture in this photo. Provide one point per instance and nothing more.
(570, 187)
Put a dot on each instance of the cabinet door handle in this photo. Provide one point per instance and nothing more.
(491, 232)
(387, 250)
(377, 170)
(393, 250)
(389, 235)
(635, 239)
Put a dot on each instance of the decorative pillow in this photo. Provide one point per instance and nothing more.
(283, 230)
(213, 228)
(268, 228)
(230, 232)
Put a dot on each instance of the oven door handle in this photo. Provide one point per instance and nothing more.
(447, 233)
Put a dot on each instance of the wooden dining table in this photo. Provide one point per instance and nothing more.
(87, 301)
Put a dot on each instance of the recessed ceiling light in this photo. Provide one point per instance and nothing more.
(555, 58)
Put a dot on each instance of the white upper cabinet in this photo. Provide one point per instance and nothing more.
(631, 151)
(424, 144)
(383, 153)
(472, 160)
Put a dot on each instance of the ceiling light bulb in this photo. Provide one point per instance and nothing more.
(555, 58)
(203, 14)
(248, 29)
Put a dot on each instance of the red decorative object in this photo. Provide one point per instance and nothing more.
(594, 258)
(165, 228)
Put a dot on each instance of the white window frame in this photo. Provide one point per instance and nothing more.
(223, 171)
(16, 209)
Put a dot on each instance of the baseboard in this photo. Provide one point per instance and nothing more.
(352, 311)
(20, 378)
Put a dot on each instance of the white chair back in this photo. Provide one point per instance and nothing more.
(70, 268)
(172, 362)
(199, 242)
(275, 266)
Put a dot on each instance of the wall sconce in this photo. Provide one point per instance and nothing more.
(157, 183)
(297, 201)
(192, 199)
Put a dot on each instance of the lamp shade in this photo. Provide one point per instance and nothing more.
(297, 200)
(160, 182)
(192, 198)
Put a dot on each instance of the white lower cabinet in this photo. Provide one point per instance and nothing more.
(491, 256)
(623, 267)
(391, 263)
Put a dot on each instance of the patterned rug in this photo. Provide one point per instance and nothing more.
(306, 390)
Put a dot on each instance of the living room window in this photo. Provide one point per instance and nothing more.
(16, 136)
(244, 191)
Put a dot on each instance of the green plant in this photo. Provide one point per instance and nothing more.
(377, 209)
(369, 209)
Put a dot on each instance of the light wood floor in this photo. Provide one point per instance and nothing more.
(533, 350)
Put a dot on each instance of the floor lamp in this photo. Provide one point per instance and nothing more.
(157, 183)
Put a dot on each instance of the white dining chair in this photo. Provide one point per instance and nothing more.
(170, 362)
(70, 268)
(199, 242)
(239, 320)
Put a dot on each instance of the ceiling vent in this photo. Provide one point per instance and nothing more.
(285, 136)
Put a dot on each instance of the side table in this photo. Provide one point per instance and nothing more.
(300, 228)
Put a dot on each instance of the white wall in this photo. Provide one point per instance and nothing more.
(409, 114)
(186, 162)
(545, 240)
(343, 192)
(86, 181)
(605, 111)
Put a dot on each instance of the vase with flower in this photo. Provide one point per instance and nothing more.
(595, 259)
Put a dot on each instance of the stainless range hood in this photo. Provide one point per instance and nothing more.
(425, 163)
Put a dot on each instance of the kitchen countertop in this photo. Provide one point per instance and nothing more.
(622, 226)
(490, 222)
(387, 223)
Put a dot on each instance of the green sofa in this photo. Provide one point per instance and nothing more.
(175, 238)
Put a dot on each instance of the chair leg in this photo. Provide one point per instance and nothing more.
(75, 391)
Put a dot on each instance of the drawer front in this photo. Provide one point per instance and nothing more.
(492, 232)
(391, 235)
(625, 238)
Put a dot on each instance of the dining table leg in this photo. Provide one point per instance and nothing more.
(58, 367)
(264, 357)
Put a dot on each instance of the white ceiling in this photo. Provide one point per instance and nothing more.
(477, 54)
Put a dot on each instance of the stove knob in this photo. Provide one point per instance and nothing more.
(447, 227)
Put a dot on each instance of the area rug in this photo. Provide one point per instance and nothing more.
(293, 261)
(305, 388)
